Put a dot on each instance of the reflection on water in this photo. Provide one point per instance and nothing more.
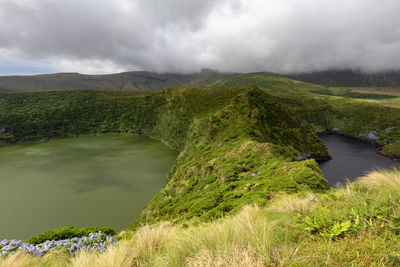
(351, 158)
(101, 181)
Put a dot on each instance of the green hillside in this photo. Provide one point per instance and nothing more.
(127, 81)
(325, 108)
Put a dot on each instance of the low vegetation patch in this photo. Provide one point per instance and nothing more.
(94, 242)
(68, 232)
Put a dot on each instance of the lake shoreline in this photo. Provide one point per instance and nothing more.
(352, 158)
(87, 135)
(378, 146)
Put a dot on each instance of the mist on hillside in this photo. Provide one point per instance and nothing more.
(112, 36)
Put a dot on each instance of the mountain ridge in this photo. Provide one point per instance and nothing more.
(153, 81)
(124, 81)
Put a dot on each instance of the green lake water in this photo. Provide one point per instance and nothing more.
(86, 181)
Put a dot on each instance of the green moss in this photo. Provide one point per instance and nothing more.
(393, 149)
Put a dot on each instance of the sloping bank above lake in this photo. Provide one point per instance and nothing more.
(237, 145)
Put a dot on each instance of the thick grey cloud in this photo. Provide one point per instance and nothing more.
(93, 36)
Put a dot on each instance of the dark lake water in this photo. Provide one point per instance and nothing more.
(87, 181)
(351, 158)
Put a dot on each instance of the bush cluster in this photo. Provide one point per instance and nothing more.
(95, 242)
(68, 232)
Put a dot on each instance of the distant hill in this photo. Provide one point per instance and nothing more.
(150, 81)
(127, 81)
(342, 78)
(271, 82)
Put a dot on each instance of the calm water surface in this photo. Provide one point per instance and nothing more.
(98, 181)
(352, 158)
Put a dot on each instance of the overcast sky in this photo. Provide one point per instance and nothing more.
(107, 36)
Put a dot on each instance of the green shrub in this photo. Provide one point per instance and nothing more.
(67, 232)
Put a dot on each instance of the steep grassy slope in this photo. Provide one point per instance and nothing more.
(238, 153)
(238, 145)
(127, 81)
(357, 225)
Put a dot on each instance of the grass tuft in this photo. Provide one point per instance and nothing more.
(294, 203)
(381, 180)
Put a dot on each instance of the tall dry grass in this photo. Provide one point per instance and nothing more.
(381, 180)
(234, 257)
(294, 203)
(26, 260)
(22, 260)
(120, 255)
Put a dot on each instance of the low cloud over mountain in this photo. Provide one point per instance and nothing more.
(92, 36)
